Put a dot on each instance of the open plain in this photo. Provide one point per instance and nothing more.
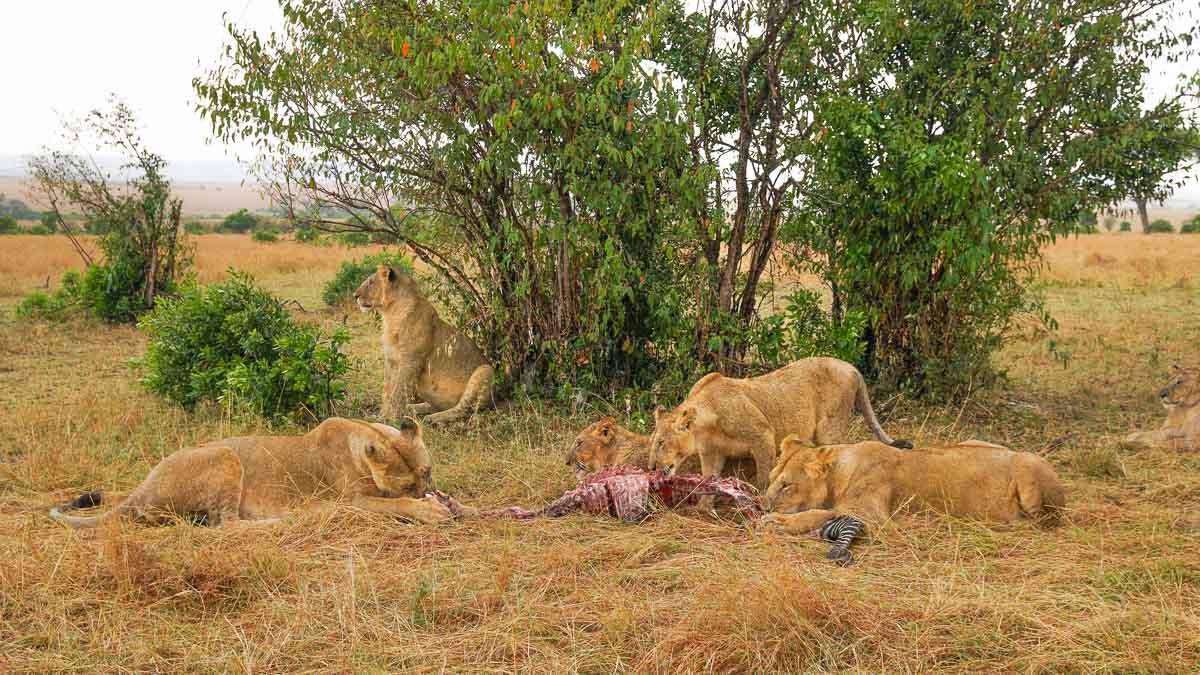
(1114, 589)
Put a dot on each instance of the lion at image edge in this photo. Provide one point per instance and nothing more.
(1181, 429)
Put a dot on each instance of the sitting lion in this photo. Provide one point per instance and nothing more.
(1181, 430)
(870, 480)
(725, 417)
(605, 444)
(425, 359)
(261, 478)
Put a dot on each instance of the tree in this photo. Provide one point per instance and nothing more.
(241, 221)
(143, 246)
(1163, 144)
(519, 150)
(602, 187)
(960, 138)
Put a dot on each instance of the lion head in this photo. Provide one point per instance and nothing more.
(674, 438)
(1183, 391)
(799, 480)
(595, 448)
(384, 288)
(398, 460)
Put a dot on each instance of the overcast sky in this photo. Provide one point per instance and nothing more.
(66, 56)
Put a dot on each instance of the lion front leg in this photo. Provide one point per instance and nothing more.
(425, 510)
(1145, 440)
(798, 523)
(399, 389)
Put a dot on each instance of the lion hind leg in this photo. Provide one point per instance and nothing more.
(1040, 494)
(204, 481)
(476, 395)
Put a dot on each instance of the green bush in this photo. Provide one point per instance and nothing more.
(804, 329)
(55, 306)
(1191, 227)
(350, 275)
(353, 239)
(40, 229)
(8, 225)
(308, 235)
(194, 227)
(235, 344)
(1126, 226)
(1160, 226)
(50, 222)
(241, 221)
(266, 236)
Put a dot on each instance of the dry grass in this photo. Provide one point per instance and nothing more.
(1115, 589)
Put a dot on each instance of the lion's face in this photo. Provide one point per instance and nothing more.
(383, 288)
(674, 438)
(799, 479)
(595, 448)
(1183, 390)
(398, 460)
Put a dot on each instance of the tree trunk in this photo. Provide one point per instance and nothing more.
(1143, 214)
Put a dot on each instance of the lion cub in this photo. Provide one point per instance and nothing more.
(1181, 430)
(425, 359)
(262, 478)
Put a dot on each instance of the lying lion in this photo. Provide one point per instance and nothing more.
(606, 444)
(425, 358)
(1181, 430)
(724, 417)
(811, 486)
(261, 478)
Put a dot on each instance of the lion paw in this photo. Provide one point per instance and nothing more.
(429, 510)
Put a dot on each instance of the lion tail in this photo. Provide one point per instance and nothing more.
(84, 501)
(862, 401)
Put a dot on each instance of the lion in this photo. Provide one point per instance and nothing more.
(372, 466)
(605, 443)
(425, 359)
(1181, 430)
(724, 417)
(870, 480)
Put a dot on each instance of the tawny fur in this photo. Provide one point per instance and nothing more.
(872, 481)
(605, 443)
(429, 365)
(724, 417)
(262, 478)
(1181, 430)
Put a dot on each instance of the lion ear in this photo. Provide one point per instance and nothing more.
(410, 424)
(386, 272)
(658, 411)
(820, 463)
(787, 450)
(686, 418)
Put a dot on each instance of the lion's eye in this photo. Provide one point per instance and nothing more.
(371, 450)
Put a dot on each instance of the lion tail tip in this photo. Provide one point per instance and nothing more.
(903, 444)
(86, 500)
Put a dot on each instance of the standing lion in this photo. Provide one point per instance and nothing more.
(429, 366)
(725, 417)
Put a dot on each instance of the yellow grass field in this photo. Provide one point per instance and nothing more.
(1114, 589)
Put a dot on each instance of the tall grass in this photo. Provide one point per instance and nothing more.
(1115, 589)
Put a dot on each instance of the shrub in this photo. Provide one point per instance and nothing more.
(55, 306)
(1126, 226)
(241, 221)
(235, 344)
(350, 275)
(8, 225)
(113, 290)
(40, 229)
(266, 236)
(308, 235)
(50, 222)
(194, 227)
(1191, 227)
(803, 329)
(1160, 226)
(353, 239)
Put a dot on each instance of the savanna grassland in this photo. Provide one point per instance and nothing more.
(1116, 588)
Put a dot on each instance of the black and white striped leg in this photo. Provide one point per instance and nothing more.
(842, 531)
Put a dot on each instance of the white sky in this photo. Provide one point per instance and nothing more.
(66, 56)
